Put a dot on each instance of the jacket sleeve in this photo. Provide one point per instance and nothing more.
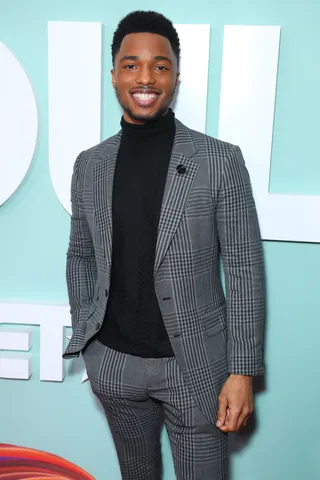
(81, 268)
(242, 255)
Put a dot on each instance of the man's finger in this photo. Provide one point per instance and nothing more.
(242, 420)
(222, 411)
(228, 416)
(234, 415)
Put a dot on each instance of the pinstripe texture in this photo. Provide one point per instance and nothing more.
(207, 212)
(136, 393)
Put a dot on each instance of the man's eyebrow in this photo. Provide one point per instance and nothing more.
(136, 57)
(129, 57)
(161, 57)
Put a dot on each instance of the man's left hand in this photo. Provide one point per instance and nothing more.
(235, 403)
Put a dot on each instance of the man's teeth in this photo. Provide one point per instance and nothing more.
(145, 96)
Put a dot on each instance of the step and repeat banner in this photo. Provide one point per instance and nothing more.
(247, 77)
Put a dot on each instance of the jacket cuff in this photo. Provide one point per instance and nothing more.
(246, 366)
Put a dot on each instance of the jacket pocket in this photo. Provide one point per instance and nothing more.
(214, 320)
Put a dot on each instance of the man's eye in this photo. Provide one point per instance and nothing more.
(161, 68)
(130, 66)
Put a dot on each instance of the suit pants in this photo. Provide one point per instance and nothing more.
(137, 395)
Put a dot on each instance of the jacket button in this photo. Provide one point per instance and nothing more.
(97, 326)
(106, 292)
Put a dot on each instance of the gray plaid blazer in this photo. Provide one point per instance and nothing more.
(207, 213)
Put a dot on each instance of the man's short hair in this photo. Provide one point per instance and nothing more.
(145, 22)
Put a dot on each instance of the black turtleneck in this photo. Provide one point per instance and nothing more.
(133, 322)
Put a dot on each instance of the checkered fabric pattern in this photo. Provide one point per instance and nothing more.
(208, 212)
(137, 395)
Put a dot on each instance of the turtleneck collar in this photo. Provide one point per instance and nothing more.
(154, 128)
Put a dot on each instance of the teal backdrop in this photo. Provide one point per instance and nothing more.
(64, 418)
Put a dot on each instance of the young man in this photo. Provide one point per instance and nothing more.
(152, 210)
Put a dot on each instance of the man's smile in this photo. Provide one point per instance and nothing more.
(144, 98)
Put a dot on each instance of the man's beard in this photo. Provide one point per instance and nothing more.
(147, 117)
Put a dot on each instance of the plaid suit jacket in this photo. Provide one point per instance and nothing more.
(207, 213)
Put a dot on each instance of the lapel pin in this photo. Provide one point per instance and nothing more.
(181, 169)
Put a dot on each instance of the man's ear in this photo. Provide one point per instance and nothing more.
(113, 78)
(177, 79)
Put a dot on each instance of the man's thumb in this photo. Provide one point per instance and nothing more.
(222, 411)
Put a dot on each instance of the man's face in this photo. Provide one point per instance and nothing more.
(145, 76)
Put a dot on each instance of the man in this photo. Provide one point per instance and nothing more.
(152, 210)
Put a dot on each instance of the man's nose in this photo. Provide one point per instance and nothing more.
(145, 76)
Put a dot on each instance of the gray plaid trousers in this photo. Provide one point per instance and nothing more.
(136, 393)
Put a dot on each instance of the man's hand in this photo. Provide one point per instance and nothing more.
(235, 403)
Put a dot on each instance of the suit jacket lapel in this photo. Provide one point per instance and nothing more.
(176, 191)
(102, 175)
